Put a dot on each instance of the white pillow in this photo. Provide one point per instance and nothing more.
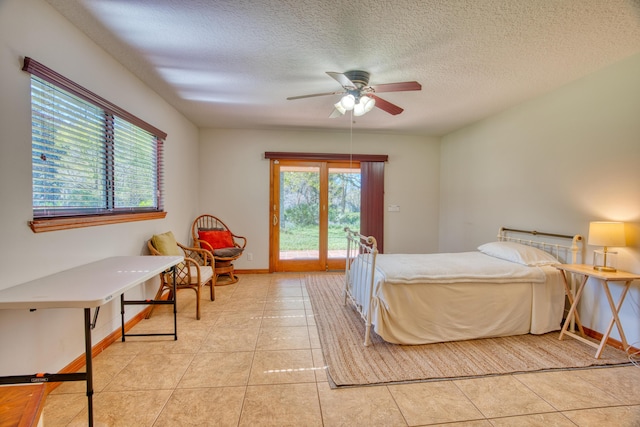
(518, 253)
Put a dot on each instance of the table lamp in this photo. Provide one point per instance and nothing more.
(606, 234)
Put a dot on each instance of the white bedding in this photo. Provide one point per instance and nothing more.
(474, 267)
(420, 299)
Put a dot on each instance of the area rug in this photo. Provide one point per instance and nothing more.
(350, 363)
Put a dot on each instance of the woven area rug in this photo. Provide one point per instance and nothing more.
(350, 363)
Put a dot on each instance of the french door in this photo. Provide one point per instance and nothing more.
(311, 203)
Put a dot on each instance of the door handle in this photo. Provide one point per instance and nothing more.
(275, 220)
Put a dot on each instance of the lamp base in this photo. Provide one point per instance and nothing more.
(604, 268)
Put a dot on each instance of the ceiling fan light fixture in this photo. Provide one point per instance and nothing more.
(369, 103)
(363, 106)
(338, 106)
(348, 102)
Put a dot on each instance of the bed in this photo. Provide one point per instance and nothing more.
(506, 287)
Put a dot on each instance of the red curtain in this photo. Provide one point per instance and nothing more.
(372, 201)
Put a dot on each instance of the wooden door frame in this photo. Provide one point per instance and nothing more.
(323, 262)
(327, 157)
(275, 264)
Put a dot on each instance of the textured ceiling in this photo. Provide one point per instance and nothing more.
(232, 64)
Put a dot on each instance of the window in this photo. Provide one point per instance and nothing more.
(92, 162)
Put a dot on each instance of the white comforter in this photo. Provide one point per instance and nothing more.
(471, 267)
(420, 299)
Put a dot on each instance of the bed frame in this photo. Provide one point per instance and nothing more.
(365, 247)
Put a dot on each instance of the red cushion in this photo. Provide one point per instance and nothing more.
(217, 239)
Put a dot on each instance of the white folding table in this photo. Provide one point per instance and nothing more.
(87, 286)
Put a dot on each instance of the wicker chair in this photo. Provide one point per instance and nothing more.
(209, 232)
(194, 273)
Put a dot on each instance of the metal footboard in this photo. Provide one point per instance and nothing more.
(359, 276)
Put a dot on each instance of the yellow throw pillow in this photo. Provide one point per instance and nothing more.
(166, 244)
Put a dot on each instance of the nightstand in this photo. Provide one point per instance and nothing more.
(604, 278)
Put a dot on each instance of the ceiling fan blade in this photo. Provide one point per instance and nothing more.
(342, 79)
(335, 113)
(316, 94)
(386, 105)
(397, 87)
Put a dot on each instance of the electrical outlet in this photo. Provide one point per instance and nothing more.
(249, 256)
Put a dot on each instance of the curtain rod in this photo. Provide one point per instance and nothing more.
(326, 156)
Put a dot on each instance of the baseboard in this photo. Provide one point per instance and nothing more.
(253, 271)
(610, 341)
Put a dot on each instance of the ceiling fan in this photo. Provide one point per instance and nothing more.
(359, 96)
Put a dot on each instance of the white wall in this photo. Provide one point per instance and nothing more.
(553, 164)
(50, 339)
(234, 177)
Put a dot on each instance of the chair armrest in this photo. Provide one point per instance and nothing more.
(244, 241)
(204, 245)
(183, 272)
(200, 256)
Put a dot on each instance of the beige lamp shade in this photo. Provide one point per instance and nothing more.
(607, 233)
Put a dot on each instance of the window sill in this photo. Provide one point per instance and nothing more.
(54, 224)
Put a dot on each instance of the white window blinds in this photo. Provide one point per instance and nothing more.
(86, 160)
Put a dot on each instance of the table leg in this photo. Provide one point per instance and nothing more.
(153, 302)
(123, 333)
(614, 318)
(89, 363)
(574, 306)
(569, 294)
(175, 303)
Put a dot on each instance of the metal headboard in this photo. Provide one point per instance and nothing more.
(576, 249)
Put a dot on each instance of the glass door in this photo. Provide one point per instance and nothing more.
(344, 210)
(311, 204)
(296, 216)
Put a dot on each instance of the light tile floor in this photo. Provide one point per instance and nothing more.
(254, 359)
